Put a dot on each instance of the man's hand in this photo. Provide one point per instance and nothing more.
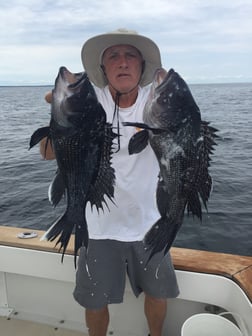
(48, 97)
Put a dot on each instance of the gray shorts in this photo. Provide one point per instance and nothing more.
(101, 273)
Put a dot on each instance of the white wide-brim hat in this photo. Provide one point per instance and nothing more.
(94, 48)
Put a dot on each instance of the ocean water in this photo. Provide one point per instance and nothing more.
(225, 227)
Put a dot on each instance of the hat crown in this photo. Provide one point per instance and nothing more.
(124, 31)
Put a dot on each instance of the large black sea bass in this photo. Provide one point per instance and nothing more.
(82, 142)
(182, 143)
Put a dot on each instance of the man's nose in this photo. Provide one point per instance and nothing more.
(123, 62)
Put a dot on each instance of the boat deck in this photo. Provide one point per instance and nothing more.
(15, 327)
(234, 267)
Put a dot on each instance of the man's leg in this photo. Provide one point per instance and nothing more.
(97, 321)
(155, 312)
(104, 283)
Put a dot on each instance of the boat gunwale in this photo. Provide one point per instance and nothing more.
(235, 267)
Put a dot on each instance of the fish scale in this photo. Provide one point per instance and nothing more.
(82, 141)
(183, 144)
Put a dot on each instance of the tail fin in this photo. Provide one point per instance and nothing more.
(63, 229)
(161, 236)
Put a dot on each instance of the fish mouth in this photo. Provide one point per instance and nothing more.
(67, 76)
(159, 77)
(73, 80)
(68, 85)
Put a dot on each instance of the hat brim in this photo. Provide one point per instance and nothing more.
(93, 49)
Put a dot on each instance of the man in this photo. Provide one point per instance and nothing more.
(121, 64)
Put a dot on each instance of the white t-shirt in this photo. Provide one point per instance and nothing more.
(136, 180)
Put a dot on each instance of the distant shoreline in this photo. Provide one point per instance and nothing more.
(26, 85)
(51, 85)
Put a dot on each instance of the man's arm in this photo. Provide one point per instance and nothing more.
(46, 149)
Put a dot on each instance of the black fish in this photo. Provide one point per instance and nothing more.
(182, 143)
(82, 142)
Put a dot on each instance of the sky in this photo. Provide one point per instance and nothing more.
(206, 41)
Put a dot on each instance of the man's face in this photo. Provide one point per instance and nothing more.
(123, 67)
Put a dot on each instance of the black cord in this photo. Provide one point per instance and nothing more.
(116, 116)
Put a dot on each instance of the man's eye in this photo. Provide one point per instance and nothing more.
(112, 56)
(131, 55)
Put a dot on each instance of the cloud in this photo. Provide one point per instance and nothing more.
(37, 36)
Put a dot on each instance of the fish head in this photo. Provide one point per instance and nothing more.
(69, 96)
(170, 101)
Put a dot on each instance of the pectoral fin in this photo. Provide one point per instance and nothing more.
(138, 142)
(38, 135)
